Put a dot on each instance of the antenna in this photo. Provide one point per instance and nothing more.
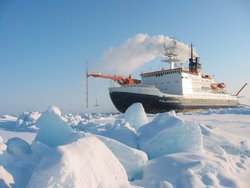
(171, 56)
(96, 103)
(87, 87)
(241, 89)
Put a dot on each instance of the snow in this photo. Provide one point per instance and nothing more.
(189, 170)
(86, 162)
(18, 147)
(194, 149)
(132, 159)
(53, 128)
(2, 145)
(136, 116)
(118, 130)
(7, 134)
(39, 149)
(168, 133)
(6, 179)
(28, 119)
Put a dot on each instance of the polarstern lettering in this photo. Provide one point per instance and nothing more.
(169, 101)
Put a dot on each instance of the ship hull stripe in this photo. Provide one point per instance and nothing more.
(157, 104)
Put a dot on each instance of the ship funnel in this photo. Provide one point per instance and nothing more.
(194, 63)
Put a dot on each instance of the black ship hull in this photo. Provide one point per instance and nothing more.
(157, 104)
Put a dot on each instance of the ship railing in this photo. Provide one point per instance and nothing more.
(138, 85)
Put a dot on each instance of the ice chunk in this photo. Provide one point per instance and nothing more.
(2, 145)
(84, 163)
(136, 116)
(27, 119)
(119, 130)
(7, 118)
(6, 179)
(18, 147)
(39, 149)
(122, 133)
(53, 128)
(132, 159)
(19, 161)
(189, 170)
(167, 133)
(72, 119)
(5, 157)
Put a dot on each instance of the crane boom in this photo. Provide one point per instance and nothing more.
(122, 80)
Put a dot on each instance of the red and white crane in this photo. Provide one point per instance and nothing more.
(121, 80)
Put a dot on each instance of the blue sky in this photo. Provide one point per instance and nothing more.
(45, 44)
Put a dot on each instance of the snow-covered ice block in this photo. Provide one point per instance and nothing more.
(185, 170)
(27, 119)
(122, 132)
(133, 160)
(136, 116)
(73, 119)
(5, 157)
(168, 133)
(86, 162)
(53, 128)
(2, 145)
(19, 160)
(18, 147)
(6, 179)
(39, 149)
(119, 130)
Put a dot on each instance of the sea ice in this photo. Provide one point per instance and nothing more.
(39, 149)
(28, 119)
(119, 130)
(2, 145)
(72, 119)
(19, 160)
(86, 162)
(212, 153)
(133, 160)
(53, 128)
(185, 170)
(136, 116)
(167, 133)
(6, 179)
(18, 147)
(122, 132)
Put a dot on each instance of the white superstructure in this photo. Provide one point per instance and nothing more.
(174, 88)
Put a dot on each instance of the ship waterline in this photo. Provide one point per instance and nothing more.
(156, 102)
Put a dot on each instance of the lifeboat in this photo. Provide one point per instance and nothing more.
(214, 86)
(218, 86)
(207, 77)
(221, 85)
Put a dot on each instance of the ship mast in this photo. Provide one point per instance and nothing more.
(194, 63)
(171, 56)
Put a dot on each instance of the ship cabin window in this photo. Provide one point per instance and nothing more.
(159, 74)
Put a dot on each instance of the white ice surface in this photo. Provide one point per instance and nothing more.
(136, 116)
(86, 162)
(53, 128)
(168, 133)
(133, 160)
(218, 156)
